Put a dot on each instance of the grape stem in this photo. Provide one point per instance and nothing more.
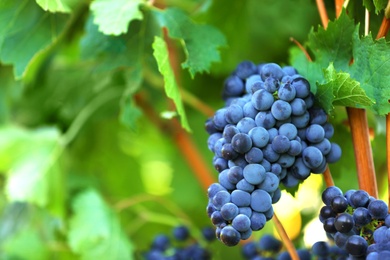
(362, 149)
(328, 177)
(323, 14)
(338, 6)
(300, 46)
(286, 240)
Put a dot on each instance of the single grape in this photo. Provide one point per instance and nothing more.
(229, 211)
(241, 143)
(181, 233)
(339, 204)
(286, 92)
(245, 69)
(241, 223)
(302, 87)
(260, 200)
(233, 114)
(356, 245)
(312, 157)
(361, 216)
(254, 173)
(359, 198)
(315, 133)
(241, 198)
(259, 136)
(280, 144)
(230, 236)
(298, 107)
(265, 119)
(271, 70)
(254, 155)
(289, 130)
(221, 198)
(235, 174)
(344, 222)
(281, 110)
(262, 100)
(378, 209)
(233, 86)
(258, 221)
(270, 183)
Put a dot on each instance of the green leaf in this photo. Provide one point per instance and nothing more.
(334, 43)
(171, 88)
(114, 17)
(30, 159)
(364, 83)
(27, 244)
(95, 231)
(200, 42)
(380, 5)
(54, 5)
(371, 67)
(111, 52)
(26, 30)
(341, 89)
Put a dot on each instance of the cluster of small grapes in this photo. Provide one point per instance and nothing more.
(181, 248)
(357, 222)
(268, 132)
(268, 247)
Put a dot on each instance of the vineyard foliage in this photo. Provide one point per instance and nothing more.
(103, 105)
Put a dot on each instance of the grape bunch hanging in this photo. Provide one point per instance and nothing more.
(269, 132)
(357, 222)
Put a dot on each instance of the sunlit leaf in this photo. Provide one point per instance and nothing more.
(113, 17)
(171, 87)
(95, 231)
(201, 42)
(25, 31)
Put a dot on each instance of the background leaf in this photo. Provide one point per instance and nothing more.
(95, 230)
(371, 68)
(113, 18)
(26, 31)
(200, 42)
(55, 6)
(171, 87)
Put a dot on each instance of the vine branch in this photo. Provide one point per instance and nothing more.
(286, 240)
(323, 13)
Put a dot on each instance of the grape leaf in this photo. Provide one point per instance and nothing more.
(54, 5)
(171, 88)
(111, 52)
(371, 67)
(95, 230)
(114, 17)
(341, 89)
(337, 45)
(200, 42)
(334, 43)
(25, 31)
(33, 171)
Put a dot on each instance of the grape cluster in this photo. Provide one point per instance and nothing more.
(268, 247)
(269, 132)
(356, 221)
(181, 247)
